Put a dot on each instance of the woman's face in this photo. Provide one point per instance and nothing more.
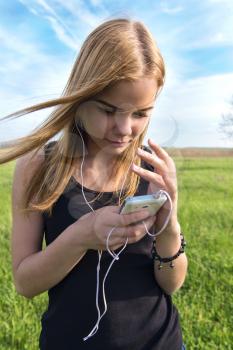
(115, 117)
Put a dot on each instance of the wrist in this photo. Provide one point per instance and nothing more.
(82, 232)
(168, 245)
(168, 242)
(168, 259)
(173, 227)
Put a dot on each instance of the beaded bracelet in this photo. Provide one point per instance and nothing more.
(156, 257)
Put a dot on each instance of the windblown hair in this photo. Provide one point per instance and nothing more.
(118, 49)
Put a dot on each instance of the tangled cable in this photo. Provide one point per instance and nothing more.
(115, 256)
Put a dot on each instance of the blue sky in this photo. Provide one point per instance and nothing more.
(40, 40)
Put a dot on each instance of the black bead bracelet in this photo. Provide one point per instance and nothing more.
(156, 257)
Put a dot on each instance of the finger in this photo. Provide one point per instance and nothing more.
(139, 230)
(130, 234)
(149, 175)
(149, 218)
(158, 150)
(152, 159)
(127, 219)
(147, 224)
(115, 208)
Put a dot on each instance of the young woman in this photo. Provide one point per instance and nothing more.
(70, 190)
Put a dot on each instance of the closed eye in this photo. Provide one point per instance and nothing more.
(141, 114)
(107, 111)
(136, 114)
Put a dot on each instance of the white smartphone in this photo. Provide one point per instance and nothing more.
(151, 202)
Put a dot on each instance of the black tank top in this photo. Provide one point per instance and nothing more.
(140, 316)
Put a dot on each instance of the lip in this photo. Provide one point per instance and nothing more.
(118, 143)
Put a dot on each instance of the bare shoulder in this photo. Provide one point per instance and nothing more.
(27, 164)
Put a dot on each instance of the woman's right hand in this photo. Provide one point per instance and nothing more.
(100, 222)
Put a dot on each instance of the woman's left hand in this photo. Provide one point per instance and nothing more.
(164, 177)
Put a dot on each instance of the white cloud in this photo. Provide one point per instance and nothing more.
(187, 111)
(64, 32)
(31, 9)
(79, 11)
(192, 108)
(78, 18)
(170, 10)
(62, 35)
(28, 76)
(210, 27)
(52, 14)
(14, 42)
(221, 2)
(96, 2)
(195, 25)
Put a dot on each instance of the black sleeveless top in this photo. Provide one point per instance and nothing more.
(140, 315)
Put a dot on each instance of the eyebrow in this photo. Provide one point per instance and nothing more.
(117, 108)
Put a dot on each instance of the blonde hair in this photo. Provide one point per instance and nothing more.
(118, 49)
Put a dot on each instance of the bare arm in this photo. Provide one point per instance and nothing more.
(168, 244)
(43, 270)
(36, 270)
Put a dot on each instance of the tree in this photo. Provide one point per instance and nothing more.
(226, 124)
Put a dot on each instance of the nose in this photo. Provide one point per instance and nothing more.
(123, 124)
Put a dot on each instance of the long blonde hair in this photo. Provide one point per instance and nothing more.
(118, 49)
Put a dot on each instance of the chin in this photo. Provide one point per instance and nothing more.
(108, 148)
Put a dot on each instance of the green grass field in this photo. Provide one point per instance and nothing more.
(205, 300)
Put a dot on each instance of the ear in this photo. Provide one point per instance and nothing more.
(80, 124)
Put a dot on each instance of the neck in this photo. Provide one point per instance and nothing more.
(98, 158)
(97, 165)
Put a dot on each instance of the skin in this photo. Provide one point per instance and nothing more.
(168, 241)
(164, 177)
(126, 126)
(67, 250)
(130, 97)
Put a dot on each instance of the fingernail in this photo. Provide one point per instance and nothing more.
(135, 167)
(152, 141)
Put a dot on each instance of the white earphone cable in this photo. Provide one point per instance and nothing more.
(115, 256)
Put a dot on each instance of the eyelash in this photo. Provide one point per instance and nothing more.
(112, 113)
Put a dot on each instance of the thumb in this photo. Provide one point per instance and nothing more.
(116, 209)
